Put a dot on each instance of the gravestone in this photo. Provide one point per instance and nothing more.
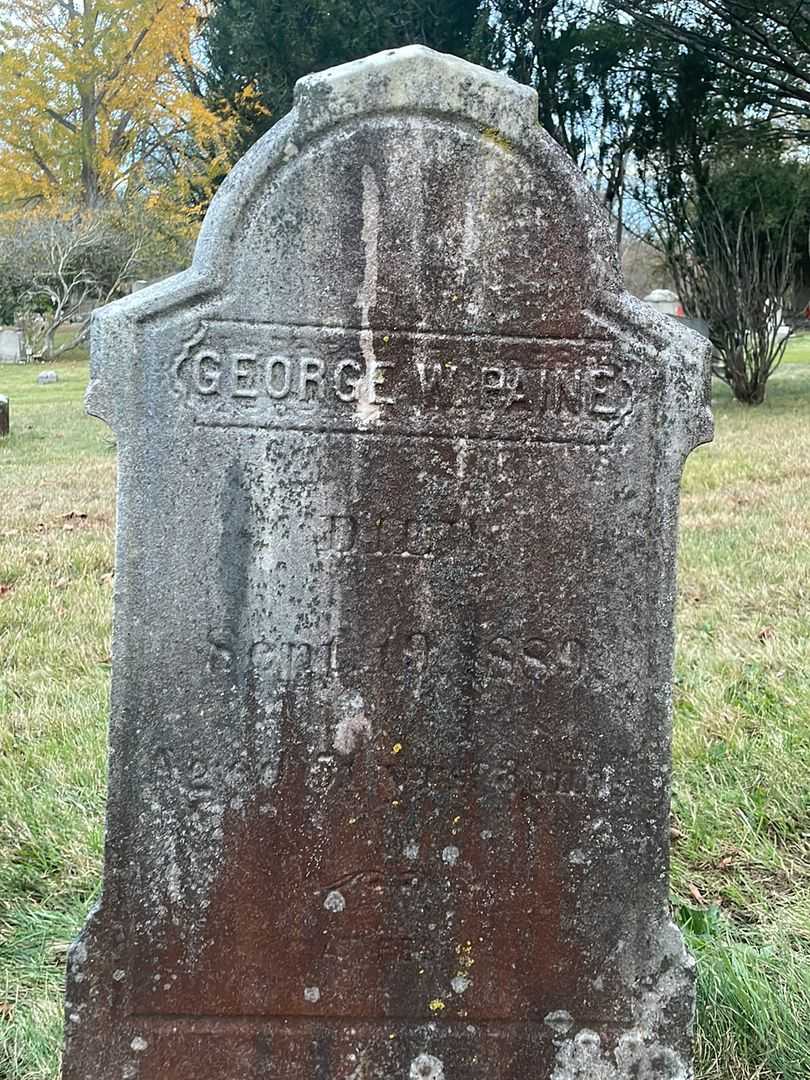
(664, 300)
(47, 377)
(5, 420)
(390, 733)
(11, 347)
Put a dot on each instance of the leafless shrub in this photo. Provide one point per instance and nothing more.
(735, 273)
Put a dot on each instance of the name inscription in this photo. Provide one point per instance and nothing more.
(343, 381)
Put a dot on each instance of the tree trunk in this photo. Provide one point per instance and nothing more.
(90, 191)
(620, 206)
(91, 196)
(757, 393)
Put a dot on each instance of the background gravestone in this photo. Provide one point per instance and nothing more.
(11, 347)
(399, 467)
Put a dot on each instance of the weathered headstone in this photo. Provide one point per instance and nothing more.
(665, 301)
(11, 347)
(47, 377)
(390, 737)
(5, 419)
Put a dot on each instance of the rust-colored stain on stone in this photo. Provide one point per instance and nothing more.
(399, 465)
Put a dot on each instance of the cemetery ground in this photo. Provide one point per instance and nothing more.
(741, 815)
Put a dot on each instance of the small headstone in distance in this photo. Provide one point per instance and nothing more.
(11, 346)
(5, 418)
(398, 488)
(47, 377)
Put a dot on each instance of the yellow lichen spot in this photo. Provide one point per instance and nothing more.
(392, 1035)
(456, 819)
(386, 339)
(465, 957)
(396, 748)
(436, 1005)
(496, 137)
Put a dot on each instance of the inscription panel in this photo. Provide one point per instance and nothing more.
(401, 668)
(402, 382)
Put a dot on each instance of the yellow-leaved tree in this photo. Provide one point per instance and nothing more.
(103, 99)
(110, 149)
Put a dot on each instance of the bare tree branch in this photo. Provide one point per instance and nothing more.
(765, 44)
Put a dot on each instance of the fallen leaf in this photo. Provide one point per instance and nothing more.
(695, 893)
(766, 633)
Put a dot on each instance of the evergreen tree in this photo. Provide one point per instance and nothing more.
(270, 44)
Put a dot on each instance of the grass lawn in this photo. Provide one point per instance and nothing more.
(741, 828)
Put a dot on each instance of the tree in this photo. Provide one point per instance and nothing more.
(738, 259)
(104, 97)
(270, 44)
(544, 44)
(765, 43)
(589, 73)
(57, 264)
(725, 206)
(656, 125)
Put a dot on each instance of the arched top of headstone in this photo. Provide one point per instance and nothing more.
(410, 191)
(409, 82)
